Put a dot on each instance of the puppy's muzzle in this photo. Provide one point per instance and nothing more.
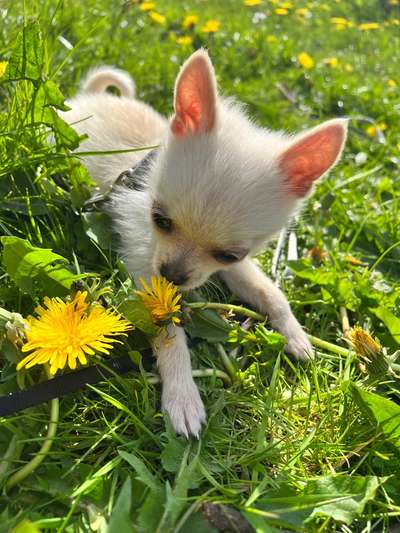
(173, 272)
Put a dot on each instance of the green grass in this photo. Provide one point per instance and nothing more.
(305, 448)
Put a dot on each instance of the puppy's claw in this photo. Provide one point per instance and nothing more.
(185, 409)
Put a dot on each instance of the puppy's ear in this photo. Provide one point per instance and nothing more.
(311, 155)
(195, 96)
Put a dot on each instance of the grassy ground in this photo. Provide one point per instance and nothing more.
(312, 448)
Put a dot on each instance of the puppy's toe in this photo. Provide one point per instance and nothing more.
(185, 409)
(299, 345)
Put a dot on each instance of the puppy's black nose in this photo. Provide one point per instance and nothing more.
(173, 273)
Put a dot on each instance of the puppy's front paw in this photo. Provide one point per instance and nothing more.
(298, 343)
(185, 409)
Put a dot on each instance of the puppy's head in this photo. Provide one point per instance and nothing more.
(221, 185)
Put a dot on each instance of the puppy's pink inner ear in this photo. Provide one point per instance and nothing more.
(310, 157)
(195, 96)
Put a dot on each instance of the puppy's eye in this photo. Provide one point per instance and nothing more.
(161, 220)
(225, 257)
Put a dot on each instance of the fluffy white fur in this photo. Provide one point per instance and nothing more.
(224, 182)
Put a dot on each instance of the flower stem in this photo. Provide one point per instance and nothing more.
(201, 373)
(30, 467)
(315, 341)
(226, 361)
(227, 307)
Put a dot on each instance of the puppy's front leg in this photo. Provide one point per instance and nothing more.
(180, 396)
(250, 283)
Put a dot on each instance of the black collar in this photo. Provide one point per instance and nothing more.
(135, 177)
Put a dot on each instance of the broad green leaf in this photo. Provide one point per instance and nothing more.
(342, 498)
(26, 526)
(208, 325)
(306, 270)
(152, 508)
(176, 498)
(391, 321)
(383, 412)
(120, 519)
(172, 453)
(98, 228)
(136, 312)
(143, 473)
(351, 493)
(27, 58)
(34, 268)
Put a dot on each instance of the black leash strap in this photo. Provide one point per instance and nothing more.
(66, 384)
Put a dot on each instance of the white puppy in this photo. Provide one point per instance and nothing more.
(216, 190)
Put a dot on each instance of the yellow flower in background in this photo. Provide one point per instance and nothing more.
(251, 3)
(348, 67)
(161, 299)
(3, 68)
(147, 6)
(271, 39)
(339, 20)
(394, 2)
(366, 26)
(67, 331)
(185, 40)
(305, 60)
(395, 22)
(372, 130)
(189, 21)
(341, 23)
(281, 11)
(157, 17)
(392, 83)
(211, 26)
(302, 12)
(286, 5)
(332, 62)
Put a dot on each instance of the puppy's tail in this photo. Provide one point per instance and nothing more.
(99, 79)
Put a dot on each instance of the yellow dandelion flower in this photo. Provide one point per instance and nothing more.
(147, 6)
(184, 40)
(332, 62)
(3, 68)
(305, 60)
(372, 130)
(366, 26)
(65, 332)
(394, 2)
(157, 17)
(271, 39)
(161, 299)
(363, 343)
(348, 67)
(189, 21)
(281, 11)
(339, 20)
(392, 83)
(251, 3)
(302, 12)
(211, 26)
(286, 5)
(395, 22)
